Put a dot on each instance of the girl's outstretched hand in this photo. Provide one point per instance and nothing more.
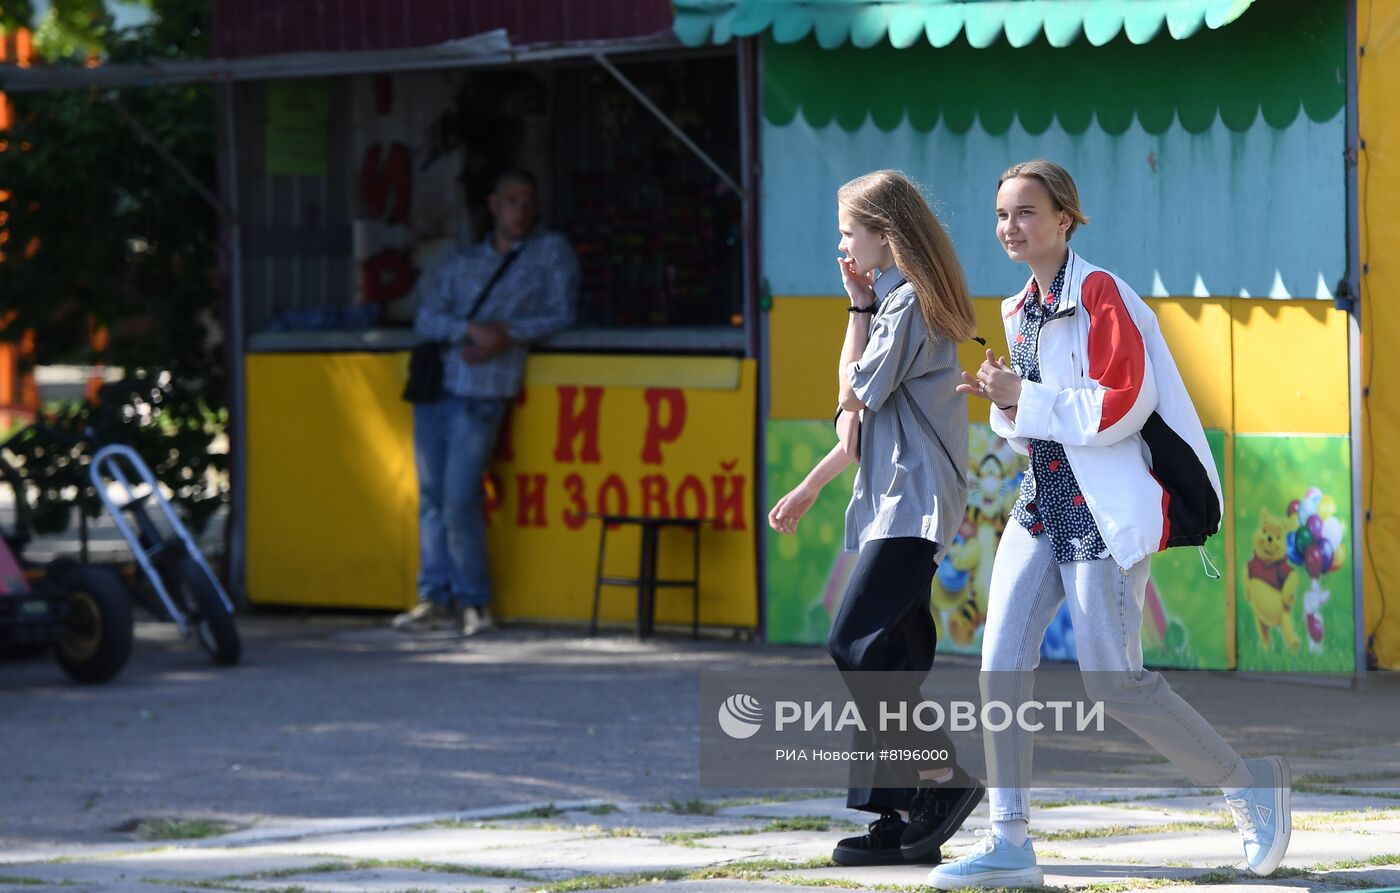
(790, 509)
(860, 289)
(995, 380)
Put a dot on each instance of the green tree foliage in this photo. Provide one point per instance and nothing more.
(102, 231)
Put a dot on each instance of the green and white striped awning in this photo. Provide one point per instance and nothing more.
(866, 23)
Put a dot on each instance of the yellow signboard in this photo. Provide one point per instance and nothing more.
(332, 517)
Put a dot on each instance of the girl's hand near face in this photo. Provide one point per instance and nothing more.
(860, 289)
(995, 380)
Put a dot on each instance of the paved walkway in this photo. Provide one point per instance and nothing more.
(133, 789)
(1342, 841)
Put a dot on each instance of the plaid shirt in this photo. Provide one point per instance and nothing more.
(534, 298)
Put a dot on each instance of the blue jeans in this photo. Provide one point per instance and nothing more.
(453, 440)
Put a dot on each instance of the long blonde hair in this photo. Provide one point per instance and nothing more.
(891, 203)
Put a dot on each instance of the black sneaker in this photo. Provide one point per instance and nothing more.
(937, 812)
(878, 846)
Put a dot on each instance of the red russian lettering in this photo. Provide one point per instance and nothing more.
(383, 175)
(729, 503)
(529, 495)
(576, 514)
(656, 497)
(612, 485)
(657, 433)
(691, 486)
(583, 422)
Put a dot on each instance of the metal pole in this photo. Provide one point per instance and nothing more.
(1359, 511)
(670, 125)
(236, 557)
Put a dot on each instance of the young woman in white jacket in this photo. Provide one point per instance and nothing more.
(1120, 469)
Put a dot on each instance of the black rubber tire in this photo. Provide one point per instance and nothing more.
(213, 625)
(96, 639)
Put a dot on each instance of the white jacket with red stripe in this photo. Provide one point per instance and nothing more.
(1110, 392)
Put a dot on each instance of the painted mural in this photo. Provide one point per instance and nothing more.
(1293, 552)
(1186, 615)
(1154, 134)
(807, 572)
(1187, 609)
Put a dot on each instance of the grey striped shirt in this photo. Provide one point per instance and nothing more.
(912, 480)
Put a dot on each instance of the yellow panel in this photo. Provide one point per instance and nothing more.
(331, 486)
(333, 499)
(544, 568)
(712, 373)
(1198, 331)
(1378, 24)
(805, 337)
(1290, 368)
(804, 345)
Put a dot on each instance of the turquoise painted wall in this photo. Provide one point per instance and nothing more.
(1210, 166)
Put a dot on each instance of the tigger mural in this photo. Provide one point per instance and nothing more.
(959, 593)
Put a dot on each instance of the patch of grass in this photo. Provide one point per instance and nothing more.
(752, 869)
(1215, 876)
(1326, 778)
(1314, 788)
(800, 823)
(623, 832)
(1125, 886)
(1328, 880)
(692, 807)
(180, 829)
(548, 811)
(277, 873)
(602, 809)
(16, 881)
(610, 881)
(1132, 830)
(1318, 822)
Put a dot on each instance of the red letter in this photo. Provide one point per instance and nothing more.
(574, 515)
(656, 501)
(378, 179)
(529, 490)
(657, 433)
(731, 502)
(613, 484)
(387, 276)
(692, 486)
(572, 424)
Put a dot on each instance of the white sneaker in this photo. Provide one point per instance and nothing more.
(477, 620)
(996, 863)
(1264, 815)
(424, 616)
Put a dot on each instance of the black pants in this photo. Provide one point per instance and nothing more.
(884, 623)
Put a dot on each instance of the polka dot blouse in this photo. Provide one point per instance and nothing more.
(1051, 502)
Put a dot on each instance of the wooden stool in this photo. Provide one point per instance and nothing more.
(646, 582)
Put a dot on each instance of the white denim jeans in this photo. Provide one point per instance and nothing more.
(1105, 606)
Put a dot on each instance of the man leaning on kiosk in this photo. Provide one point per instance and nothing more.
(489, 302)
